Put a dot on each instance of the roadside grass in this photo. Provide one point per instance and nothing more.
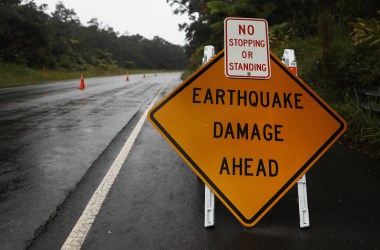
(187, 73)
(363, 126)
(15, 75)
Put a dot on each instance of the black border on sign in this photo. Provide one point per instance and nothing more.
(296, 175)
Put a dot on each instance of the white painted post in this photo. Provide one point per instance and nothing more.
(302, 202)
(209, 207)
(208, 53)
(289, 59)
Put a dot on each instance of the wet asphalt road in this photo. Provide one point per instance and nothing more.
(157, 202)
(51, 135)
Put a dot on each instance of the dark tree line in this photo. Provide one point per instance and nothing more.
(30, 37)
(324, 33)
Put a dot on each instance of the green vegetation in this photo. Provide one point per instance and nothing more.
(363, 126)
(35, 46)
(337, 44)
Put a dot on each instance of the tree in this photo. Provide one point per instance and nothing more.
(367, 31)
(65, 15)
(23, 33)
(33, 38)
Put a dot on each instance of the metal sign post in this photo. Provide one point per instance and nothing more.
(289, 59)
(208, 53)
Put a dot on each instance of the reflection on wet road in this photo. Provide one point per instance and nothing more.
(50, 136)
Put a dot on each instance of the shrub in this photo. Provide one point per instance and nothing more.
(363, 130)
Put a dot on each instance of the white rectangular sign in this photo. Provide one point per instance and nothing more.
(246, 47)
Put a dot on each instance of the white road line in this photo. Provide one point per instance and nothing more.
(84, 223)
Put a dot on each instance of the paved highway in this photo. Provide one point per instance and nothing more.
(58, 144)
(50, 137)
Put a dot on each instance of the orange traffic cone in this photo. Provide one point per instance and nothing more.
(81, 86)
(127, 77)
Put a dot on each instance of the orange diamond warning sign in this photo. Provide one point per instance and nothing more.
(248, 140)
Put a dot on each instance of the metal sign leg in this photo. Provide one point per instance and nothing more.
(302, 202)
(209, 207)
(209, 52)
(289, 59)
